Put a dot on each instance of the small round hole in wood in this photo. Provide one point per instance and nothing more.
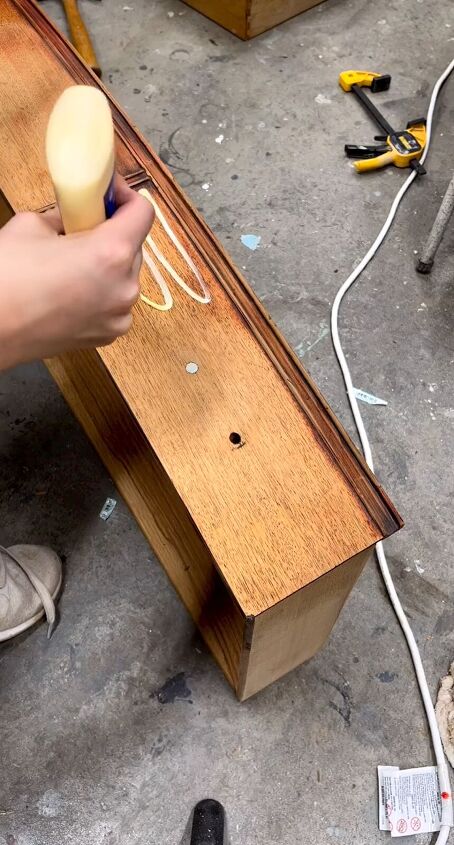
(192, 368)
(235, 438)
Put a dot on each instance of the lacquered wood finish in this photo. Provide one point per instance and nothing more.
(260, 539)
(248, 18)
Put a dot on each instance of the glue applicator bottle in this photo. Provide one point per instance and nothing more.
(81, 157)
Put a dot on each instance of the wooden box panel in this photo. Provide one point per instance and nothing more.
(149, 492)
(248, 18)
(231, 16)
(264, 539)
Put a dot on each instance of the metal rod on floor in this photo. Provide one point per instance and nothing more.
(426, 261)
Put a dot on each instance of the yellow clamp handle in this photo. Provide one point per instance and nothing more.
(420, 133)
(363, 78)
(374, 163)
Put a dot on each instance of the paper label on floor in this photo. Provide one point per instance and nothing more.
(368, 397)
(108, 508)
(409, 800)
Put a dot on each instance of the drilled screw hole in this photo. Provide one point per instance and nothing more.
(192, 368)
(235, 438)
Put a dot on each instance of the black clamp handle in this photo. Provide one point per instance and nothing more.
(365, 150)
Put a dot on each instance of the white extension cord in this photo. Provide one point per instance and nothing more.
(443, 774)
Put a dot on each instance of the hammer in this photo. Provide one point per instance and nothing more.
(79, 35)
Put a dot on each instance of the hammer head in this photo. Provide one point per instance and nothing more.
(365, 79)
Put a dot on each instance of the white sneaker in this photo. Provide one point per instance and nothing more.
(30, 578)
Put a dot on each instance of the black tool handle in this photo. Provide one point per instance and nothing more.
(372, 110)
(208, 823)
(365, 150)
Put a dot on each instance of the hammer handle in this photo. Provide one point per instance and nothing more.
(79, 35)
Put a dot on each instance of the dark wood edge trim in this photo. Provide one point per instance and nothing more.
(247, 31)
(331, 434)
(248, 634)
(137, 178)
(7, 207)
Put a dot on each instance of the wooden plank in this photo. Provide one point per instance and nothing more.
(248, 18)
(258, 537)
(231, 15)
(264, 14)
(147, 489)
(279, 484)
(291, 632)
(257, 319)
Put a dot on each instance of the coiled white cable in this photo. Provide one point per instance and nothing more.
(443, 774)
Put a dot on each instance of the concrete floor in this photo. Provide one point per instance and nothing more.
(90, 752)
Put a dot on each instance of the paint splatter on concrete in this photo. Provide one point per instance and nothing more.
(50, 804)
(335, 832)
(306, 345)
(387, 677)
(344, 707)
(174, 689)
(148, 91)
(251, 241)
(323, 100)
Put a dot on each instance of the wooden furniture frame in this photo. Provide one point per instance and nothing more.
(248, 18)
(255, 501)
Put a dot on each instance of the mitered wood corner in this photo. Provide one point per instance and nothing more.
(257, 504)
(248, 18)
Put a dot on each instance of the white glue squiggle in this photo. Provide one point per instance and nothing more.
(159, 278)
(203, 298)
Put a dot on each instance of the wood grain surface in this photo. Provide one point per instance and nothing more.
(248, 18)
(277, 512)
(264, 14)
(30, 83)
(256, 318)
(231, 15)
(293, 631)
(159, 511)
(263, 537)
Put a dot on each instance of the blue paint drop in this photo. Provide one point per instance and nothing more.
(251, 241)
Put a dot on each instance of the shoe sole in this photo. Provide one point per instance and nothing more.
(19, 629)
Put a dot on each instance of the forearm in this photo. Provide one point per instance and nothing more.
(11, 339)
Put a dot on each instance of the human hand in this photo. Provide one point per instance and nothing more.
(61, 292)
